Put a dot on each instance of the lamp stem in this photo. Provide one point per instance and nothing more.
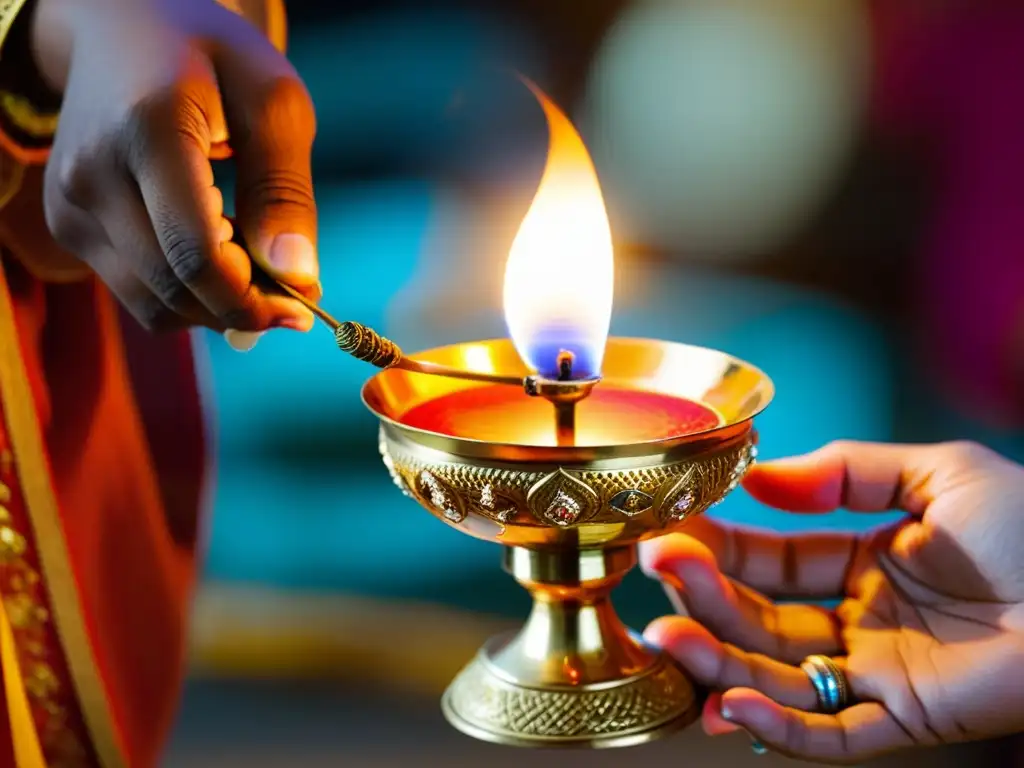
(573, 634)
(573, 675)
(565, 424)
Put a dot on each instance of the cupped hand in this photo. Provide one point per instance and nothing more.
(930, 627)
(152, 90)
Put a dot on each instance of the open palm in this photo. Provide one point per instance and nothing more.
(930, 627)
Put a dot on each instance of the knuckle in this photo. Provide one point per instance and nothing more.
(191, 121)
(152, 119)
(170, 288)
(62, 218)
(140, 120)
(250, 313)
(281, 107)
(840, 447)
(286, 99)
(186, 255)
(741, 670)
(61, 225)
(966, 452)
(282, 188)
(796, 737)
(243, 319)
(69, 178)
(153, 315)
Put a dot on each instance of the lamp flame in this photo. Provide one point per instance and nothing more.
(559, 277)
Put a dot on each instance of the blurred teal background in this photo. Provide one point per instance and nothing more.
(762, 173)
(300, 491)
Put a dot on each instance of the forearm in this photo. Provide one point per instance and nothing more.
(51, 34)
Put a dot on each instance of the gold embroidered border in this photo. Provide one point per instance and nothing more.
(24, 116)
(35, 677)
(41, 505)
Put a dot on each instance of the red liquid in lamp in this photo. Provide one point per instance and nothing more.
(610, 416)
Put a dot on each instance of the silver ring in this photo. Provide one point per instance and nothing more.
(830, 684)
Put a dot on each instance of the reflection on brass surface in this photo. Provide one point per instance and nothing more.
(570, 517)
(483, 703)
(735, 390)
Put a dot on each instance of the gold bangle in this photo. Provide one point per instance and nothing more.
(17, 113)
(24, 116)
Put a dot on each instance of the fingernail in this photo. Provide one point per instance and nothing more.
(293, 255)
(757, 747)
(714, 726)
(725, 712)
(242, 341)
(301, 322)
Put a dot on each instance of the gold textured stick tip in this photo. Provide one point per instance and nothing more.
(367, 345)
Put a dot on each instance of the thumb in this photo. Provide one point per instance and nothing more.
(272, 125)
(277, 217)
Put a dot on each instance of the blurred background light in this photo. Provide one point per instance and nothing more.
(719, 126)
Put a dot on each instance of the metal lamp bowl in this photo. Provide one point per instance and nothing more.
(569, 518)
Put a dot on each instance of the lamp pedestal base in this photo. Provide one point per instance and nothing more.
(574, 676)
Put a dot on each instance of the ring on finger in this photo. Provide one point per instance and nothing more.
(830, 683)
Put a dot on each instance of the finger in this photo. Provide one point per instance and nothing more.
(734, 613)
(84, 235)
(809, 566)
(312, 291)
(137, 250)
(711, 717)
(675, 597)
(169, 159)
(227, 229)
(720, 666)
(864, 477)
(272, 124)
(861, 732)
(148, 309)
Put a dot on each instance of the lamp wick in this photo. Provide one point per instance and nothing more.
(565, 361)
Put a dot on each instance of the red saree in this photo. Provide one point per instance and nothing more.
(102, 461)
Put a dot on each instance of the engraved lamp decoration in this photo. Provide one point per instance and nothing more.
(613, 441)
